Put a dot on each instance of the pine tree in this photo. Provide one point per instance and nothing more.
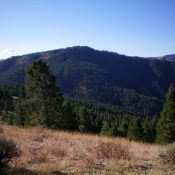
(166, 123)
(70, 122)
(21, 112)
(114, 128)
(43, 96)
(146, 130)
(123, 126)
(152, 125)
(135, 130)
(96, 122)
(84, 120)
(106, 128)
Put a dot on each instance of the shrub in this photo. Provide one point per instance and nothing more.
(88, 165)
(8, 150)
(41, 155)
(109, 150)
(58, 151)
(170, 154)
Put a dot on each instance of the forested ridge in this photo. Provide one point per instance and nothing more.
(136, 85)
(41, 102)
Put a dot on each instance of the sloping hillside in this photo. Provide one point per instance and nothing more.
(82, 72)
(168, 57)
(47, 152)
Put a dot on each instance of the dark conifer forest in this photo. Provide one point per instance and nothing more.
(133, 84)
(85, 98)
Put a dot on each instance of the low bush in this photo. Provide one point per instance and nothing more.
(8, 150)
(109, 150)
(38, 154)
(170, 154)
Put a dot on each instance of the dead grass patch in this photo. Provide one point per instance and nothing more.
(111, 150)
(37, 154)
(50, 151)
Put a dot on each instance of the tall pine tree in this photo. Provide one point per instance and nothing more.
(135, 131)
(84, 120)
(43, 95)
(166, 123)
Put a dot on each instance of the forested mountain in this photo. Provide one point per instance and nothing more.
(135, 84)
(168, 57)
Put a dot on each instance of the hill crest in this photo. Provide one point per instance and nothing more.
(101, 76)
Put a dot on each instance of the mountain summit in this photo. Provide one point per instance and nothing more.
(100, 76)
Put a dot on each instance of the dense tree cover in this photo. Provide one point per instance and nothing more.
(6, 103)
(166, 124)
(78, 115)
(135, 130)
(135, 84)
(83, 116)
(5, 99)
(44, 99)
(40, 102)
(43, 96)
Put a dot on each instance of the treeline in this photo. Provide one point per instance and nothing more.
(40, 102)
(112, 121)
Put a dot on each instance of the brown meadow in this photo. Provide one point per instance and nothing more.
(49, 151)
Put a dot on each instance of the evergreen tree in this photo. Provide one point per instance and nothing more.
(166, 123)
(70, 122)
(123, 126)
(146, 130)
(106, 128)
(43, 96)
(21, 108)
(114, 128)
(84, 120)
(21, 92)
(153, 124)
(96, 122)
(135, 129)
(8, 106)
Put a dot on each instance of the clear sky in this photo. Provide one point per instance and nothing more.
(131, 27)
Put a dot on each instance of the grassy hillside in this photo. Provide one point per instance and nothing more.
(137, 84)
(55, 152)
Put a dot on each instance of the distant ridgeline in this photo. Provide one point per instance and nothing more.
(133, 84)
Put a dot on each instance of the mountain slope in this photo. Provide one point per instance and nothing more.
(136, 83)
(168, 57)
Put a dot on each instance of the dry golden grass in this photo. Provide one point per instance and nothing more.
(49, 151)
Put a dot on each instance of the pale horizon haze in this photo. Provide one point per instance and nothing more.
(135, 28)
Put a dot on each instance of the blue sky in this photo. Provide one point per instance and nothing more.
(131, 27)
